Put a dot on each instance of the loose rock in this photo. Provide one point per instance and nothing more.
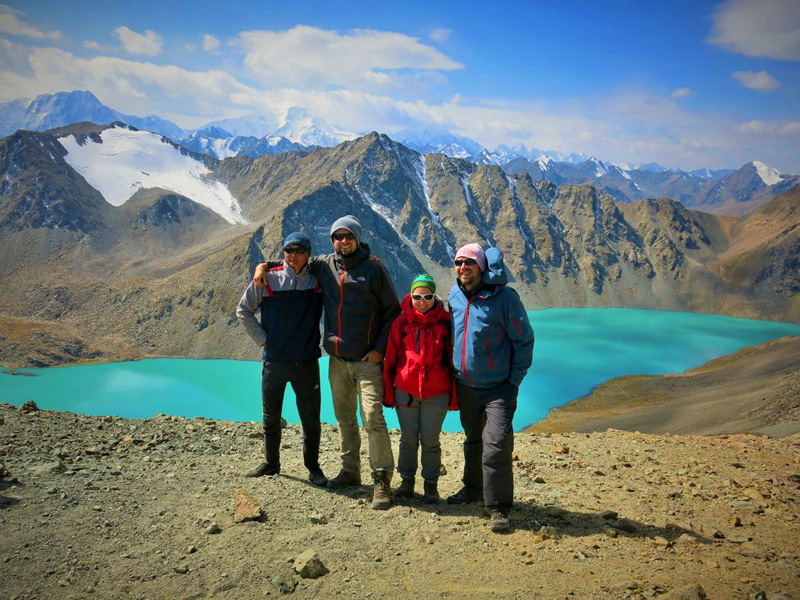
(309, 565)
(246, 508)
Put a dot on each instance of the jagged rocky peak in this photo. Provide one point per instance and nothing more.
(39, 190)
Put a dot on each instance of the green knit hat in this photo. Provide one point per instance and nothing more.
(423, 280)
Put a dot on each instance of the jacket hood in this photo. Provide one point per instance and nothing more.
(495, 273)
(436, 313)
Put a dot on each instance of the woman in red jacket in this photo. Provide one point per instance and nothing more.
(418, 381)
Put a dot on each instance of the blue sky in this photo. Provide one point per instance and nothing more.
(689, 84)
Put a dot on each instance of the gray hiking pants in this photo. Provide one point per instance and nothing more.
(486, 416)
(420, 425)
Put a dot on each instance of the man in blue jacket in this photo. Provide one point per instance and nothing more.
(492, 352)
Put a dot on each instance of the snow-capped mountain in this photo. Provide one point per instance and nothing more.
(296, 125)
(650, 167)
(121, 160)
(750, 186)
(48, 111)
(711, 173)
(249, 125)
(767, 174)
(427, 141)
(216, 142)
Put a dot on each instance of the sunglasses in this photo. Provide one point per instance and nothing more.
(294, 250)
(465, 261)
(339, 237)
(422, 296)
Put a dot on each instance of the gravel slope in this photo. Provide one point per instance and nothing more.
(106, 507)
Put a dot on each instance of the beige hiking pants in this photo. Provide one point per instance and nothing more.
(351, 381)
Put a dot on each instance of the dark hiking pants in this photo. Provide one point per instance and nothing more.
(486, 416)
(304, 379)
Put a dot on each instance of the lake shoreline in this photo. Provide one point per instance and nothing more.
(577, 351)
(750, 390)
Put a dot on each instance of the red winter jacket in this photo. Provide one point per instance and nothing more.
(419, 354)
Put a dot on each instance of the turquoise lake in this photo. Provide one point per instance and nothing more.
(576, 350)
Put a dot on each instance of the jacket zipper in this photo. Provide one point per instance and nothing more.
(464, 343)
(341, 302)
(489, 353)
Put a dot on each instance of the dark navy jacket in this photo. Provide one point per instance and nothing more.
(291, 308)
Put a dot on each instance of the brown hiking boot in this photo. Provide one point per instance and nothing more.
(406, 488)
(382, 494)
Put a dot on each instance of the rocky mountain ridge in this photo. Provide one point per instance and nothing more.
(161, 275)
(295, 129)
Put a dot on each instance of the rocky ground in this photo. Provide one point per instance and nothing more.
(105, 507)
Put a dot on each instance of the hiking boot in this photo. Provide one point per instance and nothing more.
(406, 488)
(382, 494)
(317, 477)
(464, 496)
(344, 479)
(431, 492)
(498, 521)
(263, 469)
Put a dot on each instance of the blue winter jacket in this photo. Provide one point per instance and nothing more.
(492, 337)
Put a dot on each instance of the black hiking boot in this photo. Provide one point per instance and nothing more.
(406, 488)
(317, 477)
(431, 492)
(263, 469)
(464, 496)
(344, 479)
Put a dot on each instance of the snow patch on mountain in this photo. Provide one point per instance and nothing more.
(128, 160)
(767, 174)
(420, 171)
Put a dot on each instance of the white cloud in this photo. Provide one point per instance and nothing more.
(760, 81)
(210, 43)
(630, 125)
(308, 57)
(440, 34)
(189, 47)
(767, 28)
(681, 92)
(91, 45)
(147, 44)
(11, 24)
(769, 127)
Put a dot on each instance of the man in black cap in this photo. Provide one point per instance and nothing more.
(291, 307)
(360, 305)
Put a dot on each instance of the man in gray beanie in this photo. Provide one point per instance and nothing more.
(360, 304)
(291, 307)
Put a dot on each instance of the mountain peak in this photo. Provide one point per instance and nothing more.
(767, 174)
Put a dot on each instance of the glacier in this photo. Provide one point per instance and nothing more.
(128, 160)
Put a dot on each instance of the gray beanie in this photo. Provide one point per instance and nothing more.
(298, 239)
(350, 223)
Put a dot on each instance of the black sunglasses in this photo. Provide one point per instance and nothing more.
(342, 236)
(422, 296)
(295, 250)
(465, 261)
